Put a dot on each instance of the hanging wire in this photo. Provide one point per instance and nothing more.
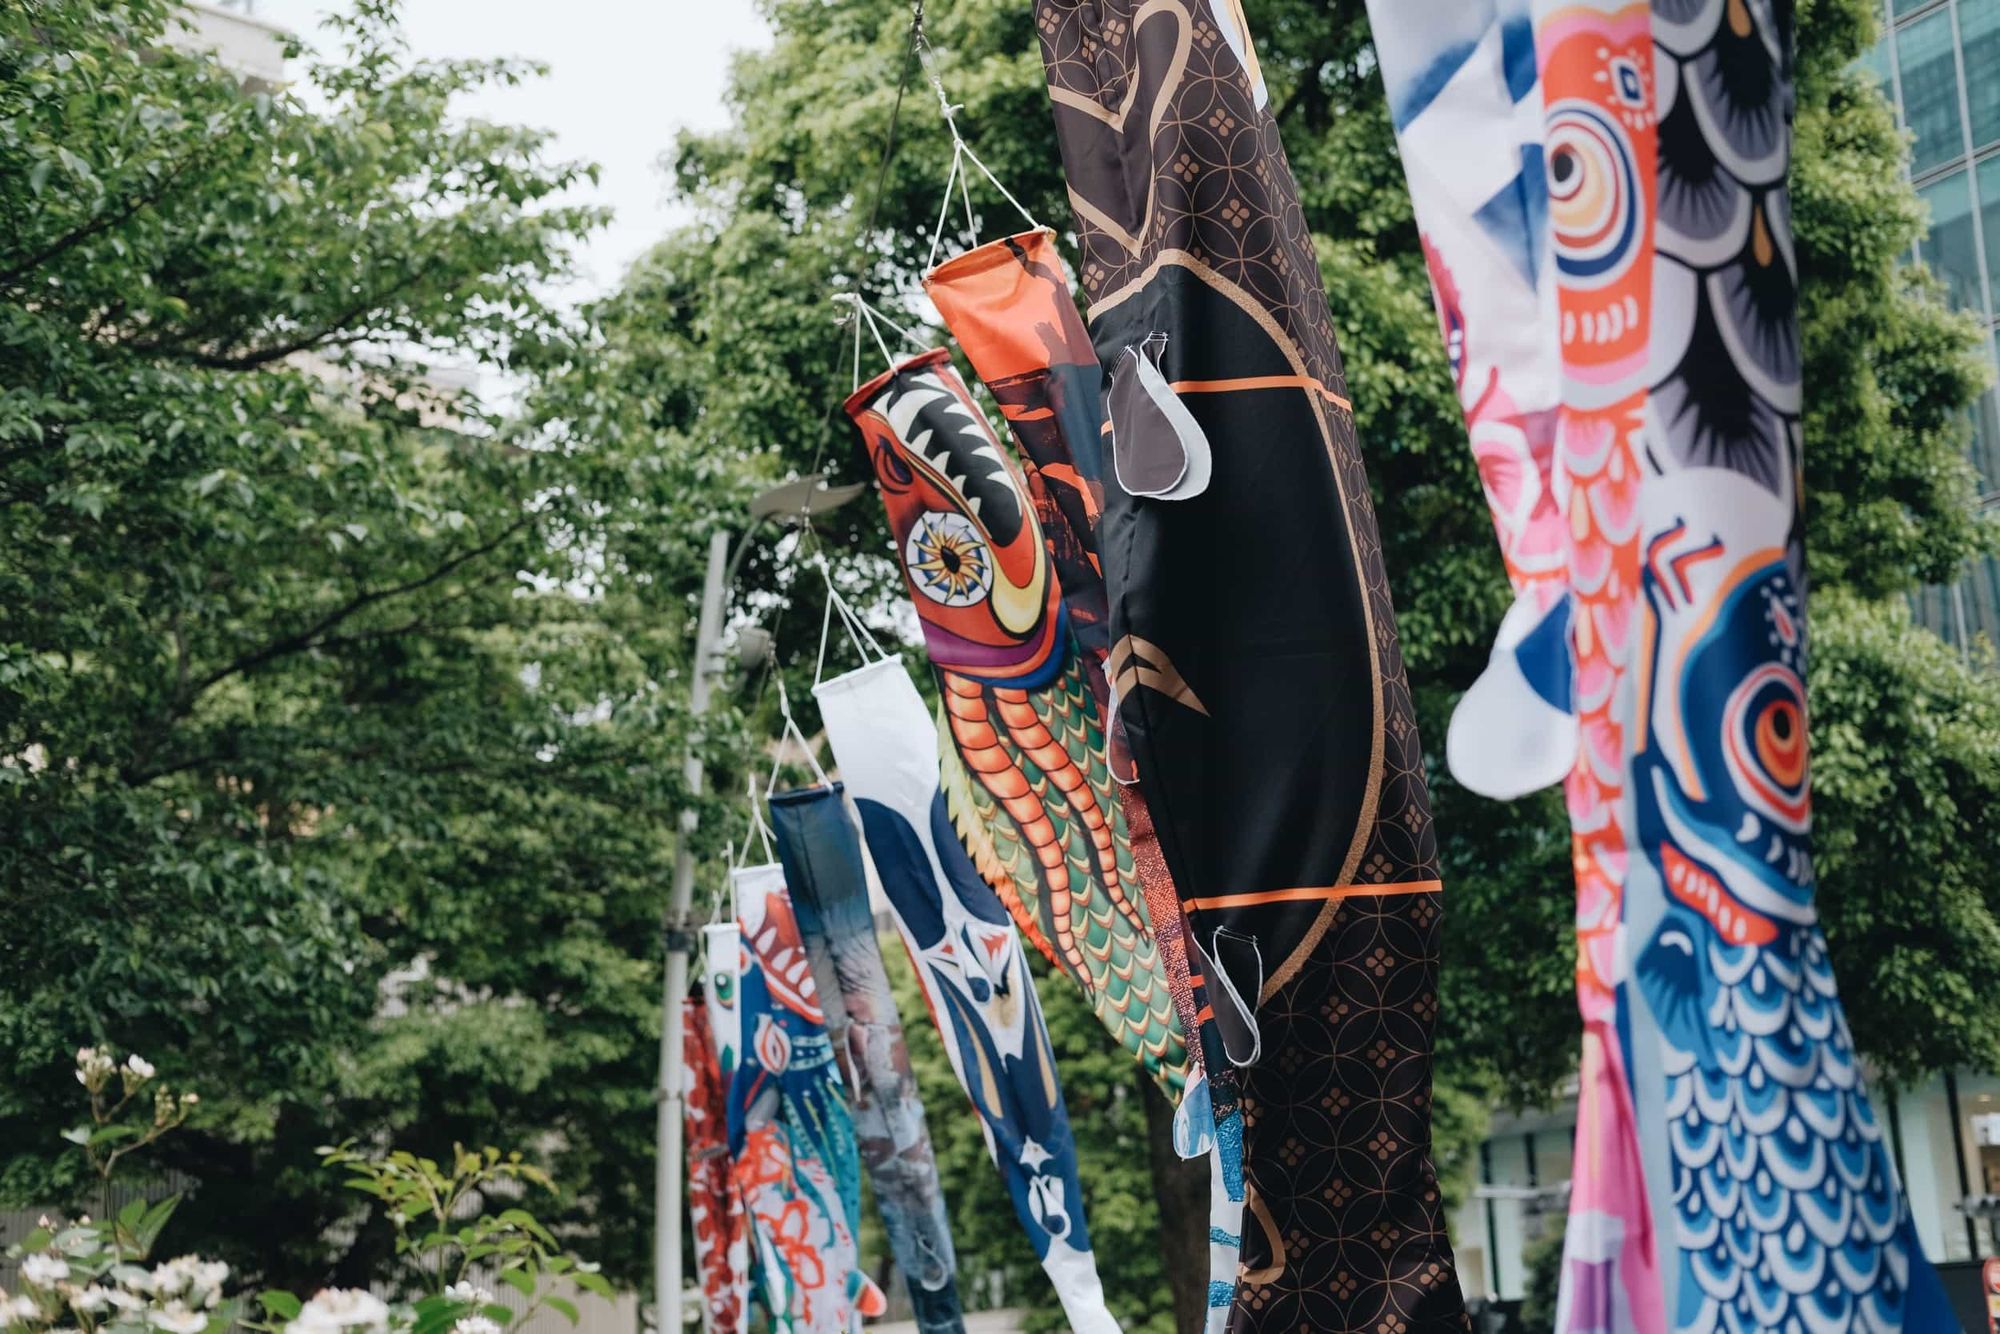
(858, 633)
(889, 145)
(757, 826)
(961, 153)
(791, 731)
(857, 311)
(911, 54)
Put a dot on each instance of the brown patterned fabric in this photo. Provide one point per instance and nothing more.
(1268, 712)
(1338, 1117)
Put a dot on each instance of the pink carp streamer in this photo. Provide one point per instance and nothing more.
(1601, 191)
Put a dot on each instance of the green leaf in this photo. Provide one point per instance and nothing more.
(152, 1222)
(279, 1305)
(435, 1314)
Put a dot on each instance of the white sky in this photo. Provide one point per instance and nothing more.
(625, 76)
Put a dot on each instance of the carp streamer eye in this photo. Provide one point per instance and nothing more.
(948, 560)
(1764, 733)
(1595, 204)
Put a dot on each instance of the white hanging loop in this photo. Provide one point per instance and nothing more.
(793, 731)
(905, 334)
(862, 315)
(858, 633)
(855, 317)
(944, 204)
(875, 319)
(961, 153)
(1006, 194)
(757, 825)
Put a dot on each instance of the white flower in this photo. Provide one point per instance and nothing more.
(475, 1324)
(334, 1309)
(138, 1067)
(209, 1276)
(467, 1291)
(90, 1300)
(125, 1301)
(177, 1319)
(93, 1067)
(25, 1307)
(191, 1274)
(44, 1270)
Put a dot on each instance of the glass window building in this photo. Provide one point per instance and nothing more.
(1939, 63)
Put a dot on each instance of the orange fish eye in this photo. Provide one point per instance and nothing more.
(1780, 738)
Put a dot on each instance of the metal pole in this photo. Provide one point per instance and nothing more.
(679, 941)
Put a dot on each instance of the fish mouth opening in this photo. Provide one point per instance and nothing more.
(1701, 889)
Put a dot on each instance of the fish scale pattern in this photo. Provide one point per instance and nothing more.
(1051, 840)
(1787, 1212)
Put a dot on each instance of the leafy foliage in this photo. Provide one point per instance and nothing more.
(90, 1277)
(343, 715)
(448, 1235)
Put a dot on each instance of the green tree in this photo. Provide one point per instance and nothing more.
(341, 716)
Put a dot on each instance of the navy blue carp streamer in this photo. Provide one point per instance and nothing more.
(970, 963)
(1254, 655)
(1616, 282)
(829, 885)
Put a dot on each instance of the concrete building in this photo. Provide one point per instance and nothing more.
(243, 43)
(1939, 63)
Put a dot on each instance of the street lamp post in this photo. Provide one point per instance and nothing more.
(679, 938)
(799, 501)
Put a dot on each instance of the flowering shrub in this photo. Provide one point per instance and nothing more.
(95, 1277)
(449, 1240)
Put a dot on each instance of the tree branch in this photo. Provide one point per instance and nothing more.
(328, 334)
(308, 637)
(105, 221)
(142, 771)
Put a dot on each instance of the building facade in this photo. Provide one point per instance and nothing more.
(245, 45)
(1938, 62)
